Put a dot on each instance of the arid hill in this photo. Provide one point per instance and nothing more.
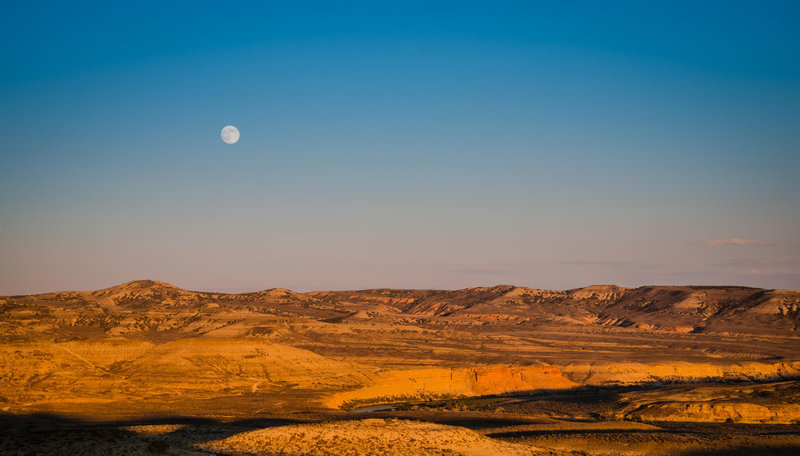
(150, 309)
(600, 354)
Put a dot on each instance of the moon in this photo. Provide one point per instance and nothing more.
(230, 134)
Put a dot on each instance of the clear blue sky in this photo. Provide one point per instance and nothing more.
(404, 144)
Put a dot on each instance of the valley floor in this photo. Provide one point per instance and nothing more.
(542, 424)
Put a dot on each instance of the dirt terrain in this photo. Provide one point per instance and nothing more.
(505, 370)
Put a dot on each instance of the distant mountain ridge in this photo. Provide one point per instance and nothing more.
(147, 305)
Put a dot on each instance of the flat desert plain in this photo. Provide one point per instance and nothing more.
(149, 368)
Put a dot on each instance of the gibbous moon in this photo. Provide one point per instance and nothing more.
(230, 134)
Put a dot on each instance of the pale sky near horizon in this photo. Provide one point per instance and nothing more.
(408, 144)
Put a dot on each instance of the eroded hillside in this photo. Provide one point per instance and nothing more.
(151, 348)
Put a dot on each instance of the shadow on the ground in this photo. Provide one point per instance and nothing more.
(564, 432)
(788, 450)
(44, 434)
(48, 434)
(452, 419)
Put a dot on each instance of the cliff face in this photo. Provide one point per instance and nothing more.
(718, 412)
(679, 371)
(761, 403)
(421, 384)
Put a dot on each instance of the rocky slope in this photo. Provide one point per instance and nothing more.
(134, 308)
(151, 347)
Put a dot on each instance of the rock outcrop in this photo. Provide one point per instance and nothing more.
(421, 384)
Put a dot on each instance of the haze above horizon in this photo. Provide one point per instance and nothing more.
(402, 145)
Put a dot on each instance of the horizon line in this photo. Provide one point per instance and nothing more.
(395, 288)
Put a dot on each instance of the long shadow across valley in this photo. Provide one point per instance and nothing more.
(49, 434)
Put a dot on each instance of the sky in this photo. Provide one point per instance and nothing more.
(399, 144)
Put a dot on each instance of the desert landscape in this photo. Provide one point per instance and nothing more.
(415, 228)
(149, 368)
